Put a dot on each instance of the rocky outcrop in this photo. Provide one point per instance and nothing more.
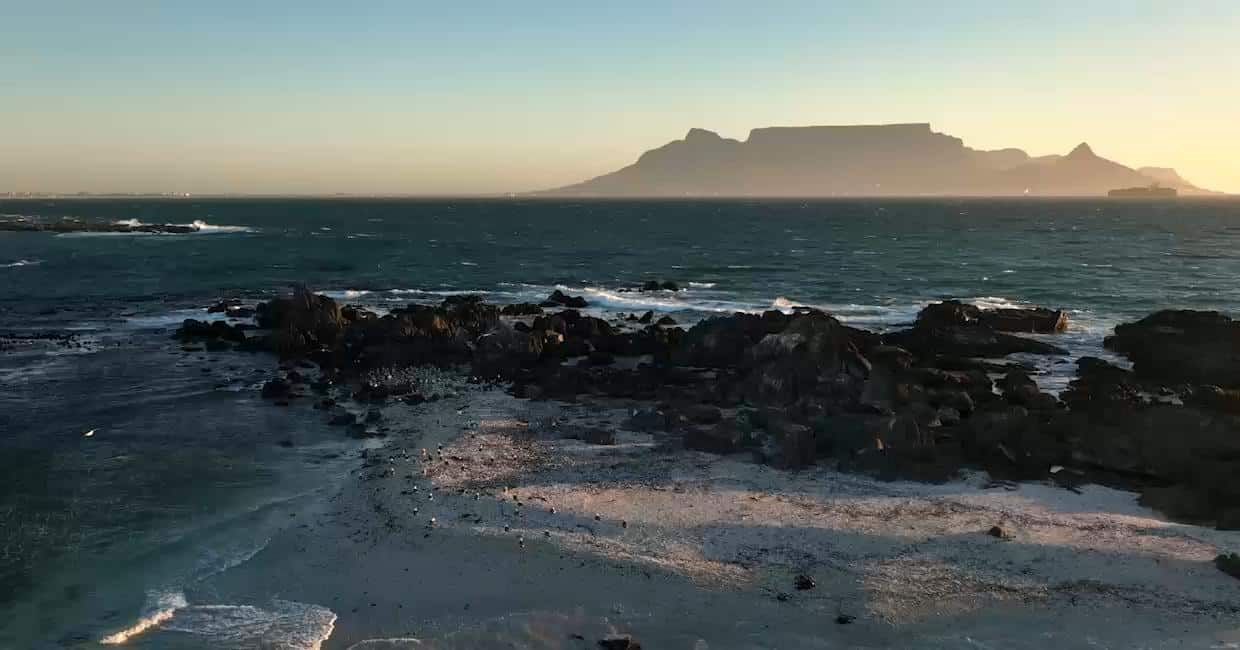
(798, 389)
(560, 299)
(1196, 347)
(195, 330)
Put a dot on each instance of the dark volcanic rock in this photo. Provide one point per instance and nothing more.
(276, 388)
(619, 642)
(521, 309)
(1229, 563)
(813, 355)
(1199, 347)
(215, 330)
(560, 299)
(1038, 320)
(955, 328)
(723, 341)
(655, 285)
(301, 322)
(721, 438)
(967, 341)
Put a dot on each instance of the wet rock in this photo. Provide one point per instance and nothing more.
(646, 318)
(619, 642)
(967, 341)
(949, 313)
(722, 342)
(215, 330)
(276, 388)
(1038, 320)
(845, 619)
(1182, 346)
(647, 419)
(1179, 502)
(503, 351)
(804, 583)
(797, 444)
(521, 309)
(702, 413)
(1020, 389)
(600, 358)
(953, 313)
(812, 357)
(1229, 563)
(560, 299)
(591, 435)
(342, 419)
(722, 438)
(665, 321)
(301, 321)
(655, 285)
(998, 532)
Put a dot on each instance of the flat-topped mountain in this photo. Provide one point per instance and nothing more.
(862, 160)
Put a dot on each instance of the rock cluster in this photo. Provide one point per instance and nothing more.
(795, 389)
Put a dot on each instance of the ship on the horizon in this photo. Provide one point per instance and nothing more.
(1154, 191)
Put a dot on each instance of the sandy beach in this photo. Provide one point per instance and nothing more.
(477, 523)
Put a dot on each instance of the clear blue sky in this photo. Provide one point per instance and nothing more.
(412, 97)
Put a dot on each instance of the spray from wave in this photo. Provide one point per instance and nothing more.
(198, 226)
(161, 607)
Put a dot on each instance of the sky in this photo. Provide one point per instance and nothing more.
(467, 97)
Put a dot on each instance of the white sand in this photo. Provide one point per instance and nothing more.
(537, 538)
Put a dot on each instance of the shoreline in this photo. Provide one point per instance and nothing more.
(609, 539)
(650, 467)
(624, 468)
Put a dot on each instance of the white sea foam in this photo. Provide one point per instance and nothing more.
(208, 228)
(657, 301)
(20, 263)
(199, 227)
(161, 606)
(283, 624)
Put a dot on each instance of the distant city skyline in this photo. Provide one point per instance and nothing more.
(490, 98)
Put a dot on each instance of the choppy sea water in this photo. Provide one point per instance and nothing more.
(105, 537)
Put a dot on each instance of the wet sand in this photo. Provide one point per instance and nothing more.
(512, 535)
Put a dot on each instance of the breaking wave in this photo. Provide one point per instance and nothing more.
(20, 263)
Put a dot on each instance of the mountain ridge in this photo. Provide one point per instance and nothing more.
(903, 159)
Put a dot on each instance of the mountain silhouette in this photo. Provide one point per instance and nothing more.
(861, 160)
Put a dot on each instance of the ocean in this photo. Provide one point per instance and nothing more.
(188, 474)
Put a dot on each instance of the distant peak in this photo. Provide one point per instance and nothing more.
(1082, 151)
(701, 134)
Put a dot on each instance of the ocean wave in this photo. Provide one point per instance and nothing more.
(198, 226)
(881, 316)
(676, 301)
(208, 228)
(160, 608)
(20, 263)
(281, 624)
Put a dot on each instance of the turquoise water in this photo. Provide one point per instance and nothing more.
(186, 475)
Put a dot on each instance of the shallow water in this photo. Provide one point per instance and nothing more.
(184, 475)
